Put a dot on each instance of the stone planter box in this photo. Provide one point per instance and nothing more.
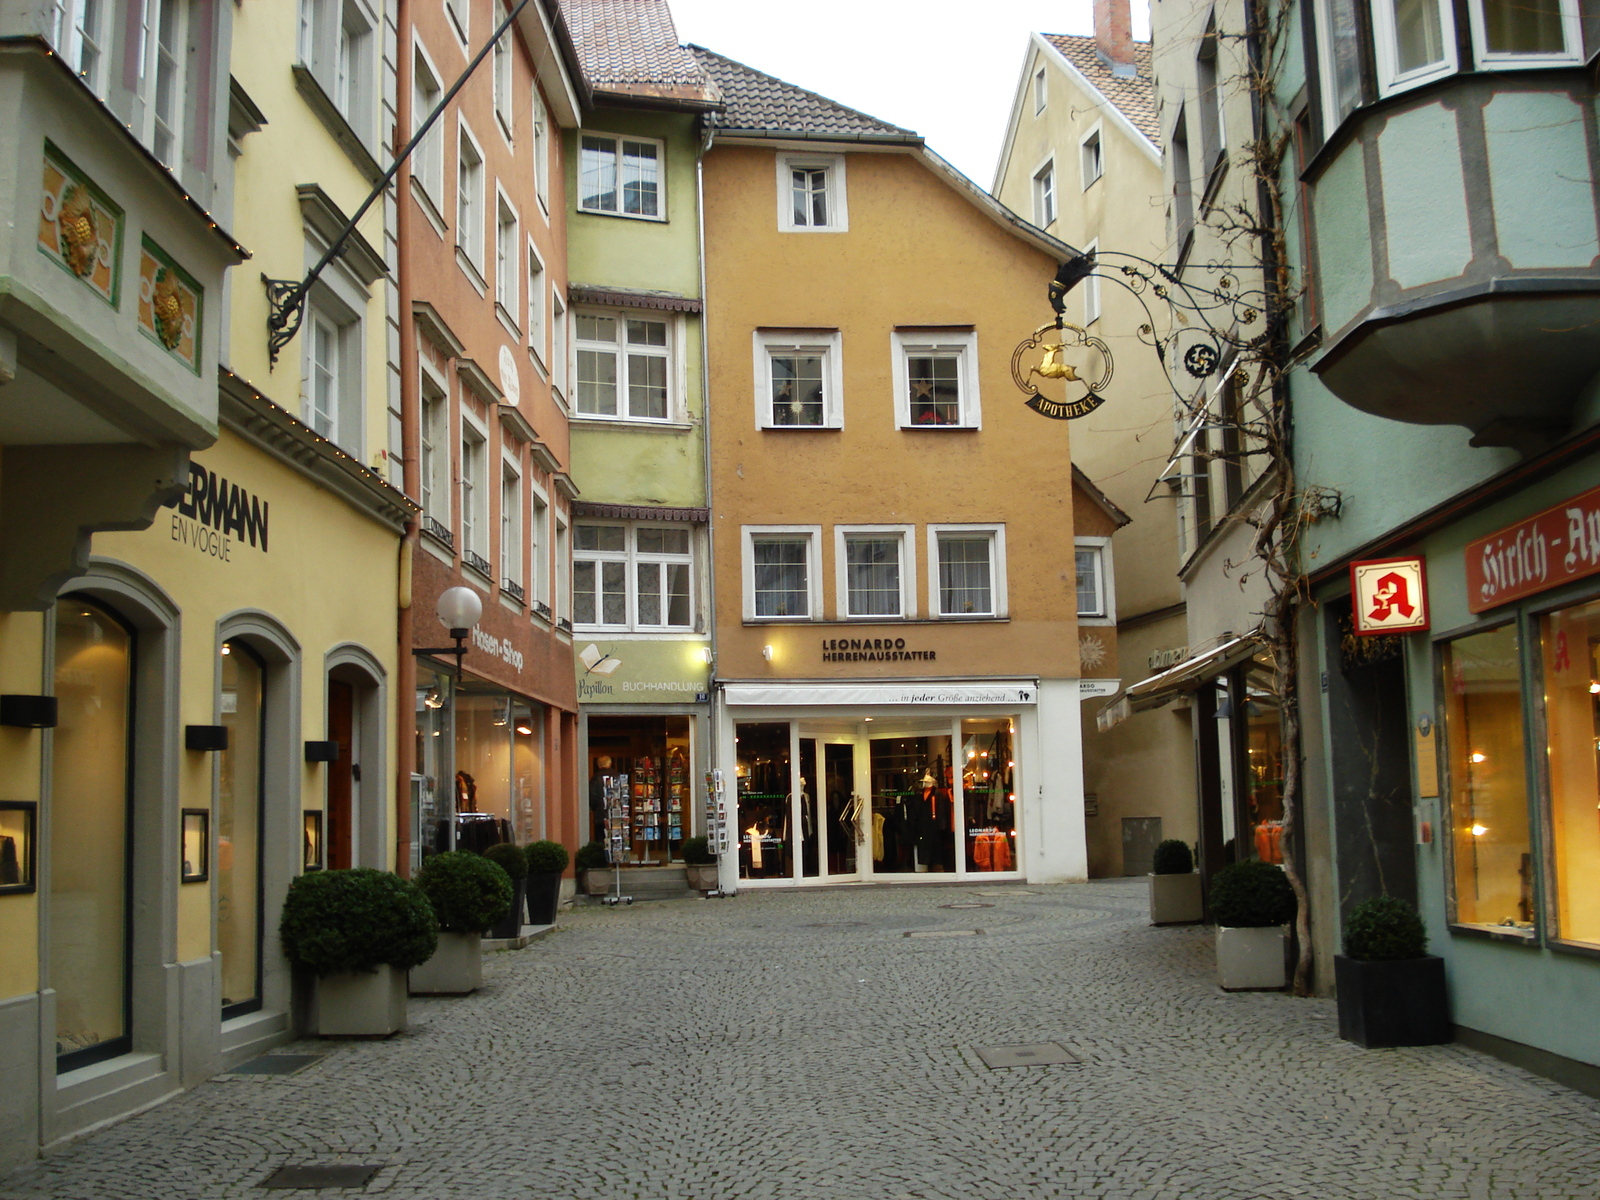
(596, 881)
(455, 969)
(1253, 959)
(1175, 899)
(358, 1003)
(702, 878)
(544, 895)
(1399, 1003)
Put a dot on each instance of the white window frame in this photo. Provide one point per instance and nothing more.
(150, 70)
(511, 539)
(1092, 155)
(996, 535)
(1046, 205)
(561, 597)
(962, 344)
(428, 158)
(826, 343)
(538, 308)
(1107, 581)
(472, 500)
(632, 558)
(1386, 52)
(346, 420)
(672, 352)
(471, 200)
(1485, 60)
(832, 166)
(1091, 290)
(538, 544)
(69, 34)
(458, 14)
(560, 350)
(541, 149)
(507, 242)
(434, 442)
(811, 537)
(908, 571)
(1041, 91)
(338, 43)
(616, 140)
(504, 84)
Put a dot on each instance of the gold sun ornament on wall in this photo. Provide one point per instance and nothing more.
(1070, 355)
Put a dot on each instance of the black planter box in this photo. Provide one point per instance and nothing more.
(1402, 1003)
(510, 925)
(544, 894)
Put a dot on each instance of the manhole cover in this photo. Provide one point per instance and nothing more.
(276, 1064)
(835, 925)
(943, 933)
(967, 904)
(356, 1175)
(1033, 1054)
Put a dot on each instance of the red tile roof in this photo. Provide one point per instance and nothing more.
(1134, 96)
(630, 48)
(760, 102)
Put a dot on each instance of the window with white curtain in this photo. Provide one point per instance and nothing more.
(875, 573)
(632, 576)
(967, 569)
(780, 572)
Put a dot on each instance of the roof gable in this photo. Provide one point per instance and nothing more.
(629, 49)
(762, 104)
(1134, 96)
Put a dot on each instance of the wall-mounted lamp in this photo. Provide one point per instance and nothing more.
(28, 712)
(205, 738)
(705, 655)
(321, 752)
(459, 609)
(766, 653)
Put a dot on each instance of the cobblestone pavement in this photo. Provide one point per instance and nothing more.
(801, 1046)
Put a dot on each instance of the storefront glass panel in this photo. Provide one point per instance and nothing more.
(239, 831)
(810, 817)
(766, 847)
(89, 803)
(1489, 836)
(1571, 652)
(988, 794)
(656, 756)
(432, 792)
(845, 829)
(913, 805)
(1263, 781)
(483, 769)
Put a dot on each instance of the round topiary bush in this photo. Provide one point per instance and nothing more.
(356, 920)
(469, 892)
(591, 857)
(697, 852)
(509, 859)
(1251, 895)
(1172, 857)
(1385, 930)
(545, 858)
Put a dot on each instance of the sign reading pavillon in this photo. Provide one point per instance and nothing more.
(1546, 550)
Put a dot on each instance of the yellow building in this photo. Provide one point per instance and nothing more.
(897, 650)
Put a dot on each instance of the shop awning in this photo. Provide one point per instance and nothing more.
(1191, 673)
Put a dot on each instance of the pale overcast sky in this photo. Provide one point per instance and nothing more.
(946, 70)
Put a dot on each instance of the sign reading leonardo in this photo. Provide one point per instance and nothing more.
(1546, 550)
(872, 650)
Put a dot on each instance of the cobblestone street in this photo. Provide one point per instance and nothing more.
(825, 1045)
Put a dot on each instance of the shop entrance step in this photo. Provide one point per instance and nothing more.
(654, 883)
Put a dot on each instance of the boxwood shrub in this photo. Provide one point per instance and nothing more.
(356, 920)
(591, 857)
(509, 859)
(469, 892)
(1251, 895)
(1385, 929)
(546, 858)
(697, 852)
(1172, 857)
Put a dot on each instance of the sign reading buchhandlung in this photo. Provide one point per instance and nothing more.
(1390, 596)
(1546, 550)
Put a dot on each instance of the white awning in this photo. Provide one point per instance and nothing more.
(1192, 672)
(851, 695)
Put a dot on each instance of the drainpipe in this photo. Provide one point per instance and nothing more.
(411, 476)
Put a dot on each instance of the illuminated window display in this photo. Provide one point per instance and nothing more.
(766, 846)
(17, 833)
(989, 798)
(1492, 867)
(239, 830)
(483, 769)
(655, 754)
(1263, 783)
(1571, 655)
(913, 805)
(89, 795)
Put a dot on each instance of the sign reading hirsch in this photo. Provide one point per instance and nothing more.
(1390, 596)
(1548, 549)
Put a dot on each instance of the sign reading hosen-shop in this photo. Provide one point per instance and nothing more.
(1546, 550)
(215, 516)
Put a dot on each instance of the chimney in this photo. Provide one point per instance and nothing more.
(1113, 36)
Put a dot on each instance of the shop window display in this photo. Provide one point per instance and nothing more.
(498, 780)
(239, 830)
(1489, 840)
(1264, 752)
(654, 754)
(766, 847)
(988, 795)
(432, 791)
(1571, 656)
(913, 805)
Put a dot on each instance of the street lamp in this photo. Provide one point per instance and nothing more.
(459, 609)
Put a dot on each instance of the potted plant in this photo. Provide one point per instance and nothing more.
(510, 859)
(1391, 991)
(700, 864)
(1252, 904)
(546, 861)
(1174, 886)
(594, 873)
(357, 931)
(469, 894)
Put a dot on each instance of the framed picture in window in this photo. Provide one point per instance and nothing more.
(311, 841)
(196, 845)
(18, 821)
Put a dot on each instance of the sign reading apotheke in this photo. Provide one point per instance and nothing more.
(1550, 548)
(216, 517)
(642, 672)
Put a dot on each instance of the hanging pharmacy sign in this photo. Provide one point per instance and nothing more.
(1546, 550)
(1070, 364)
(1390, 596)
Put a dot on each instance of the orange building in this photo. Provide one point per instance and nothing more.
(898, 659)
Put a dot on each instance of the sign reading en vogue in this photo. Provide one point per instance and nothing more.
(1550, 548)
(216, 517)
